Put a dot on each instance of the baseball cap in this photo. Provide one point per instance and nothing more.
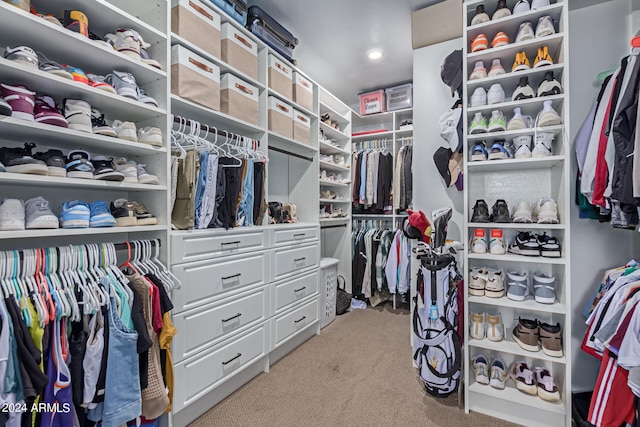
(451, 71)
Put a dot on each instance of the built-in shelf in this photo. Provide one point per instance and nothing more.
(64, 232)
(329, 183)
(528, 305)
(529, 106)
(512, 347)
(62, 182)
(333, 167)
(516, 226)
(518, 258)
(512, 395)
(515, 165)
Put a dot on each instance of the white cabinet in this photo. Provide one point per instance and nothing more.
(290, 291)
(290, 261)
(285, 326)
(189, 246)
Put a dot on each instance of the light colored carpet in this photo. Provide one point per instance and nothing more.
(357, 372)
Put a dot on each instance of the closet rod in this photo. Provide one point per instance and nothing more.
(280, 150)
(333, 226)
(117, 246)
(185, 122)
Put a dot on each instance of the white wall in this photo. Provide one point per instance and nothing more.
(592, 51)
(431, 99)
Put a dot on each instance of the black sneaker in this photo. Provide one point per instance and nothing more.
(78, 165)
(105, 169)
(525, 244)
(549, 246)
(124, 212)
(549, 86)
(100, 126)
(480, 211)
(20, 160)
(523, 91)
(500, 212)
(55, 161)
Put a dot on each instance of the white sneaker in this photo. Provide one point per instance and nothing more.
(521, 7)
(519, 121)
(480, 369)
(523, 213)
(479, 72)
(494, 287)
(128, 43)
(479, 241)
(478, 98)
(547, 211)
(478, 281)
(548, 116)
(539, 4)
(125, 130)
(525, 32)
(11, 215)
(495, 94)
(495, 327)
(496, 244)
(522, 144)
(39, 214)
(547, 388)
(523, 91)
(150, 135)
(496, 68)
(78, 115)
(144, 177)
(542, 146)
(498, 374)
(549, 86)
(545, 27)
(478, 326)
(128, 168)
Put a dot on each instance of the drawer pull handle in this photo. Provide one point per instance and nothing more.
(300, 320)
(300, 259)
(231, 318)
(300, 235)
(232, 277)
(232, 359)
(237, 242)
(301, 289)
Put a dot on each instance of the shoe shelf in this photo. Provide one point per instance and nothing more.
(373, 136)
(329, 183)
(55, 136)
(403, 133)
(335, 115)
(513, 395)
(516, 164)
(341, 201)
(517, 258)
(224, 67)
(66, 232)
(511, 24)
(67, 47)
(327, 148)
(529, 107)
(15, 179)
(333, 167)
(329, 221)
(293, 104)
(330, 132)
(529, 304)
(512, 347)
(59, 87)
(516, 226)
(512, 78)
(492, 136)
(291, 145)
(507, 54)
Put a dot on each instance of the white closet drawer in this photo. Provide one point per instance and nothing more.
(288, 324)
(290, 291)
(294, 234)
(192, 246)
(207, 325)
(205, 371)
(289, 261)
(203, 282)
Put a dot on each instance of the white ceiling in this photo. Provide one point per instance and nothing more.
(335, 36)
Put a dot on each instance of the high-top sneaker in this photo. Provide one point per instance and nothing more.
(23, 55)
(479, 72)
(523, 91)
(543, 58)
(21, 100)
(129, 42)
(496, 68)
(522, 145)
(100, 126)
(549, 86)
(76, 21)
(545, 27)
(542, 147)
(78, 114)
(497, 123)
(519, 121)
(481, 16)
(478, 125)
(502, 11)
(548, 116)
(46, 111)
(500, 151)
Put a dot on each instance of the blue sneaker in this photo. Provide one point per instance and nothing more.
(100, 215)
(75, 214)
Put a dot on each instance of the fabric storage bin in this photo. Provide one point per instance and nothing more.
(280, 117)
(372, 102)
(197, 24)
(239, 99)
(280, 77)
(302, 91)
(239, 51)
(301, 127)
(328, 287)
(194, 78)
(399, 97)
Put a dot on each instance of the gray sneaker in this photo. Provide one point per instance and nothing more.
(517, 286)
(124, 83)
(39, 214)
(544, 288)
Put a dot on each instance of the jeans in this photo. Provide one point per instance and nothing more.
(201, 185)
(245, 210)
(209, 202)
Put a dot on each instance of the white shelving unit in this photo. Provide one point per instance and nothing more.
(518, 180)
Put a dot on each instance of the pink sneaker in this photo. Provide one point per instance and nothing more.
(21, 100)
(46, 111)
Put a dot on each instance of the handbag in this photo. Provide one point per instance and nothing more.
(343, 298)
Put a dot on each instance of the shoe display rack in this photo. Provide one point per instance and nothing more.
(20, 28)
(516, 179)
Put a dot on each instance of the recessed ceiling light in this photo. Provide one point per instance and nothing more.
(374, 54)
